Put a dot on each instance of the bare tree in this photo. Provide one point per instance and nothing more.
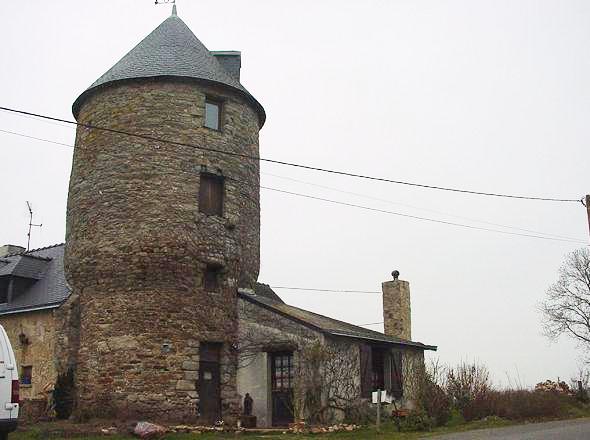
(566, 309)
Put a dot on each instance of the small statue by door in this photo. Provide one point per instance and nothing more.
(247, 419)
(248, 401)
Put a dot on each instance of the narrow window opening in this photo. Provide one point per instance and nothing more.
(212, 114)
(4, 284)
(211, 194)
(211, 278)
(26, 377)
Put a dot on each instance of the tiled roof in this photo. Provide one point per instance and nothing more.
(46, 266)
(170, 50)
(265, 291)
(325, 324)
(24, 266)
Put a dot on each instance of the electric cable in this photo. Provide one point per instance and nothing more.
(538, 236)
(291, 164)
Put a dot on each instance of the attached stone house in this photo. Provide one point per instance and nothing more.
(286, 354)
(152, 307)
(297, 363)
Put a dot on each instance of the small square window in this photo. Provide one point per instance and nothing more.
(26, 377)
(211, 194)
(211, 278)
(213, 114)
(4, 283)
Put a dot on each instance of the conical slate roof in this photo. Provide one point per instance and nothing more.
(171, 50)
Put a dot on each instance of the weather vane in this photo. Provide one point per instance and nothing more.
(166, 2)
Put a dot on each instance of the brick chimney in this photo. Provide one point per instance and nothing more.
(396, 308)
(9, 249)
(231, 60)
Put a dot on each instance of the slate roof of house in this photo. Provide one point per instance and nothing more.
(325, 324)
(170, 50)
(44, 265)
(25, 266)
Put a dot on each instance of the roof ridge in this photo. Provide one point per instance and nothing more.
(14, 254)
(347, 330)
(37, 257)
(40, 249)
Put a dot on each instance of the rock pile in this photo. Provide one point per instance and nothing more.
(556, 387)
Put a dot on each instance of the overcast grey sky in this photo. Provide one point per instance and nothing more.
(485, 95)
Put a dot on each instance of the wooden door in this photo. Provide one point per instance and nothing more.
(209, 382)
(282, 388)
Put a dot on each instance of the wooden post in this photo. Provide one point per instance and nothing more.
(378, 410)
(588, 209)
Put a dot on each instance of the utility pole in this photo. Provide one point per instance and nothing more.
(587, 204)
(379, 410)
(31, 225)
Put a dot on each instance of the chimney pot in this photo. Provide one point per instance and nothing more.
(9, 249)
(230, 60)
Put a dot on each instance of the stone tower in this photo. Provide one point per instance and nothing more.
(160, 235)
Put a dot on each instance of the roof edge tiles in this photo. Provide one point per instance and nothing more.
(171, 51)
(34, 250)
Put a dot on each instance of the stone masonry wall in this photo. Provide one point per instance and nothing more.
(137, 246)
(39, 328)
(396, 309)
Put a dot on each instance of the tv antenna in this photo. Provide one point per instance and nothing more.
(31, 224)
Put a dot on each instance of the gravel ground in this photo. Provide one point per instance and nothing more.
(578, 429)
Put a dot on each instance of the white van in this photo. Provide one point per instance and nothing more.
(9, 387)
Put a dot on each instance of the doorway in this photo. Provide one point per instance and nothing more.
(209, 382)
(282, 374)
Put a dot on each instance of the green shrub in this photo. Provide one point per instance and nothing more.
(518, 405)
(435, 403)
(63, 394)
(416, 421)
(456, 418)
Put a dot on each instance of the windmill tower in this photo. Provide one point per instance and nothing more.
(160, 235)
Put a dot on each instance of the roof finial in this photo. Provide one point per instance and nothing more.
(160, 2)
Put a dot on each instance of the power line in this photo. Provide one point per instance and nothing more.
(415, 217)
(324, 290)
(36, 138)
(366, 196)
(370, 323)
(292, 164)
(538, 236)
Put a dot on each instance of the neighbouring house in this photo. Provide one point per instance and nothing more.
(152, 307)
(294, 363)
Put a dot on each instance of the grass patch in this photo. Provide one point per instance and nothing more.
(456, 423)
(388, 431)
